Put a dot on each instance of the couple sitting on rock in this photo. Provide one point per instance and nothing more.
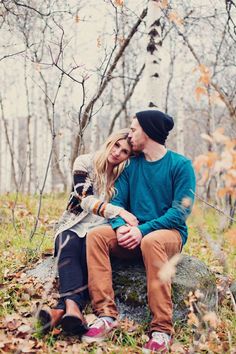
(128, 207)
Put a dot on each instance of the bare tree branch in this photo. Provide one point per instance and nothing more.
(88, 109)
(126, 99)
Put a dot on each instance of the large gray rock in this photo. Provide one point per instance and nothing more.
(191, 274)
(129, 280)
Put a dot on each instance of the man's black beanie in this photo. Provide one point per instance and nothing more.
(155, 124)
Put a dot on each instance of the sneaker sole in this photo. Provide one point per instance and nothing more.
(149, 351)
(89, 340)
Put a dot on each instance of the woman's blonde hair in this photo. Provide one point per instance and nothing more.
(101, 164)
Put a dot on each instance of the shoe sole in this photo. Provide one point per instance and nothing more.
(73, 325)
(149, 351)
(89, 340)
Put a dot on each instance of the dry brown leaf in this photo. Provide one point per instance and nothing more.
(219, 134)
(207, 137)
(211, 318)
(200, 161)
(193, 320)
(198, 294)
(168, 270)
(24, 328)
(177, 348)
(90, 318)
(231, 237)
(174, 17)
(199, 91)
(99, 43)
(119, 2)
(163, 4)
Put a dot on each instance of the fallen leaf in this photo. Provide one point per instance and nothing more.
(168, 270)
(24, 328)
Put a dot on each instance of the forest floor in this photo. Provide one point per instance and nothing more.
(20, 295)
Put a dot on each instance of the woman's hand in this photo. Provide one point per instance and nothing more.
(129, 217)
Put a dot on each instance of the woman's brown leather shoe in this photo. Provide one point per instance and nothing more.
(73, 322)
(50, 318)
(74, 325)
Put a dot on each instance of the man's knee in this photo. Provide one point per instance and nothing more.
(168, 241)
(148, 242)
(100, 234)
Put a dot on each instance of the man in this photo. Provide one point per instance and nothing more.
(157, 187)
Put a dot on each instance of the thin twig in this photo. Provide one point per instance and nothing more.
(212, 206)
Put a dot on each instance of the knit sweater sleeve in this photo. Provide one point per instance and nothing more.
(121, 198)
(94, 205)
(81, 182)
(184, 185)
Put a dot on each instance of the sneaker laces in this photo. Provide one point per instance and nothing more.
(161, 337)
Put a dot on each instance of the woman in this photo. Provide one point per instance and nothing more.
(93, 186)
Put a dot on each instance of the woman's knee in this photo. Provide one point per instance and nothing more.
(68, 241)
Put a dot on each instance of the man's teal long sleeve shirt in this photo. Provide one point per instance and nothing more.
(159, 193)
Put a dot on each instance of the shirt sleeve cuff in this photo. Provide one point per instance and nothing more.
(145, 229)
(117, 222)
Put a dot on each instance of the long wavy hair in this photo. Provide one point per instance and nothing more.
(102, 181)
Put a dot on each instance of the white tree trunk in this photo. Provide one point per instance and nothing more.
(94, 134)
(180, 127)
(153, 71)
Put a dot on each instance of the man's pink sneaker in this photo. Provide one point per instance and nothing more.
(99, 330)
(158, 343)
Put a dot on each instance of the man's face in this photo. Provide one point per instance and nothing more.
(137, 136)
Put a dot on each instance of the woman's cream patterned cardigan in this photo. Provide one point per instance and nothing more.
(83, 200)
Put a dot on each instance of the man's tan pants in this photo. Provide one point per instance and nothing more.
(156, 249)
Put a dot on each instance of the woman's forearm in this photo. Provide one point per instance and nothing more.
(94, 205)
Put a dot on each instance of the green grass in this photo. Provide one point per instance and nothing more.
(18, 252)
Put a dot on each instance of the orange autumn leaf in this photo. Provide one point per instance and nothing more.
(119, 2)
(211, 318)
(200, 161)
(205, 79)
(192, 319)
(227, 160)
(207, 137)
(215, 97)
(219, 136)
(204, 177)
(77, 19)
(205, 74)
(174, 17)
(212, 158)
(99, 43)
(163, 4)
(231, 237)
(168, 269)
(203, 69)
(229, 180)
(121, 40)
(231, 145)
(222, 192)
(199, 91)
